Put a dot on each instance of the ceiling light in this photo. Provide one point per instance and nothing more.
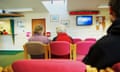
(18, 10)
(103, 6)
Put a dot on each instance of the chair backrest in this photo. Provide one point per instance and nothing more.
(60, 47)
(50, 65)
(83, 47)
(76, 40)
(34, 48)
(90, 39)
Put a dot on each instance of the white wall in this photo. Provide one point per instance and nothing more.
(73, 30)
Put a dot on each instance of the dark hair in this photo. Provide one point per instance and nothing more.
(115, 6)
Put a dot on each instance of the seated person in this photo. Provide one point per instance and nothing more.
(38, 36)
(106, 51)
(62, 35)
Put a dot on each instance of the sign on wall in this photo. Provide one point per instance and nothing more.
(100, 21)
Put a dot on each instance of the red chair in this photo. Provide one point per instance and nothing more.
(50, 65)
(82, 49)
(116, 67)
(61, 49)
(76, 40)
(90, 39)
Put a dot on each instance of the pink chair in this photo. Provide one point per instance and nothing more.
(60, 49)
(90, 39)
(50, 65)
(82, 49)
(76, 40)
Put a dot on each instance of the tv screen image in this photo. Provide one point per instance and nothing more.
(84, 20)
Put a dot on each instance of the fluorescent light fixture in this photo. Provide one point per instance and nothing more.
(17, 10)
(103, 6)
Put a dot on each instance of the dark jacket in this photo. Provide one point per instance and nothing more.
(106, 51)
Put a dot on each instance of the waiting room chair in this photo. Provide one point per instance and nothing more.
(60, 49)
(90, 39)
(82, 49)
(48, 65)
(35, 48)
(76, 40)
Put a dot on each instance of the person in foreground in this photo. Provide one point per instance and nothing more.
(62, 35)
(38, 36)
(106, 51)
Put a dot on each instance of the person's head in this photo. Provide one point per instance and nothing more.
(114, 9)
(39, 29)
(60, 29)
(4, 30)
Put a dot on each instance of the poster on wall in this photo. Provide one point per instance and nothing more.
(20, 26)
(100, 22)
(65, 22)
(54, 18)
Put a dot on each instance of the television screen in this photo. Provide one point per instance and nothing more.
(84, 20)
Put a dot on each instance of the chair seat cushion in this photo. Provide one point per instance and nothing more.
(51, 65)
(80, 57)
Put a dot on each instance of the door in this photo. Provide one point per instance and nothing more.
(38, 21)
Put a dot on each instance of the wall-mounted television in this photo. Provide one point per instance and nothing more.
(84, 20)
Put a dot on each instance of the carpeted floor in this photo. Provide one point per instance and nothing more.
(7, 59)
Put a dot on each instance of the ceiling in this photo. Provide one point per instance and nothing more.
(37, 6)
(76, 5)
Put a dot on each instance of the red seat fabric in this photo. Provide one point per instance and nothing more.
(75, 40)
(51, 65)
(80, 57)
(60, 48)
(82, 48)
(116, 67)
(90, 39)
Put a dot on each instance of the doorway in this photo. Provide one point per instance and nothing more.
(38, 21)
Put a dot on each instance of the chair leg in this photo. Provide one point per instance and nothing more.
(25, 55)
(25, 52)
(71, 51)
(74, 52)
(49, 51)
(1, 69)
(46, 53)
